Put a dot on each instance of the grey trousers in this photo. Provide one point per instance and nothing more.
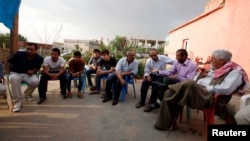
(187, 92)
(15, 81)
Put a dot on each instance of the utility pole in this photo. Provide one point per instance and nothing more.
(14, 35)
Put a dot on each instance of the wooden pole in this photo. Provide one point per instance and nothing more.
(14, 35)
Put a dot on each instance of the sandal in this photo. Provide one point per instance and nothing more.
(92, 88)
(69, 95)
(80, 95)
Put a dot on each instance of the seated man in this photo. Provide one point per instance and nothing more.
(126, 66)
(104, 69)
(53, 69)
(92, 64)
(158, 62)
(182, 69)
(75, 70)
(22, 67)
(2, 87)
(224, 77)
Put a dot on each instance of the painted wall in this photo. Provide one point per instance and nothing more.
(227, 27)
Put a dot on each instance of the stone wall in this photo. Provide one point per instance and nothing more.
(4, 55)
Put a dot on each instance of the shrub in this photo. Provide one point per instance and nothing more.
(141, 67)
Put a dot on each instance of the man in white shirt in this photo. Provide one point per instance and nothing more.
(53, 69)
(224, 77)
(158, 62)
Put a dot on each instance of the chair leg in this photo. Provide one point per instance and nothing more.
(134, 90)
(188, 112)
(123, 93)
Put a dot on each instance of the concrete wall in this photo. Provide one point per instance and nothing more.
(226, 25)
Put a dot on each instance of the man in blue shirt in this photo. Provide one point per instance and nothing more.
(158, 62)
(126, 66)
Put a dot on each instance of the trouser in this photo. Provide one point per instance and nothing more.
(16, 79)
(98, 81)
(145, 85)
(158, 91)
(42, 87)
(80, 78)
(187, 92)
(89, 72)
(109, 84)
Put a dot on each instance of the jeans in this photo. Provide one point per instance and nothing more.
(98, 81)
(81, 79)
(89, 72)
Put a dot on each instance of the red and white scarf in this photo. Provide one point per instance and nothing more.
(232, 66)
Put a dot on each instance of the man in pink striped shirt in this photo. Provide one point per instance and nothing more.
(183, 68)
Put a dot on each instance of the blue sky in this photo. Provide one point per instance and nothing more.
(47, 21)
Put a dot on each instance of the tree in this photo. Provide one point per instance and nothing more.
(119, 46)
(5, 39)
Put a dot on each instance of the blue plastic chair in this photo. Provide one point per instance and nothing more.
(84, 84)
(129, 80)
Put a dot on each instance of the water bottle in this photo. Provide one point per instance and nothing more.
(104, 69)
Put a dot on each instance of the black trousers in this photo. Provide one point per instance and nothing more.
(42, 87)
(145, 85)
(113, 86)
(158, 92)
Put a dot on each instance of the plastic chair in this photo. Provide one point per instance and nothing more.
(244, 100)
(129, 80)
(84, 84)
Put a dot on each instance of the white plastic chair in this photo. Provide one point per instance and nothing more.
(244, 100)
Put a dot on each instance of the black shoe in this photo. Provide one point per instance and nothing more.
(158, 128)
(139, 105)
(64, 96)
(114, 102)
(103, 96)
(157, 105)
(40, 101)
(106, 99)
(149, 108)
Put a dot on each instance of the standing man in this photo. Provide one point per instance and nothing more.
(22, 67)
(183, 68)
(158, 62)
(105, 68)
(53, 69)
(92, 64)
(126, 66)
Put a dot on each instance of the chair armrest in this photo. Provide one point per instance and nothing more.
(244, 100)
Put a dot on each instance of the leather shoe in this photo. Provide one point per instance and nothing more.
(114, 102)
(148, 108)
(173, 128)
(103, 96)
(139, 105)
(64, 96)
(158, 128)
(106, 99)
(40, 101)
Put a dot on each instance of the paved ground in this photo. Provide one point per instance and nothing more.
(91, 120)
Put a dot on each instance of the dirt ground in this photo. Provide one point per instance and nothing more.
(89, 119)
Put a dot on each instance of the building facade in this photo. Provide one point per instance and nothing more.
(223, 25)
(85, 45)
